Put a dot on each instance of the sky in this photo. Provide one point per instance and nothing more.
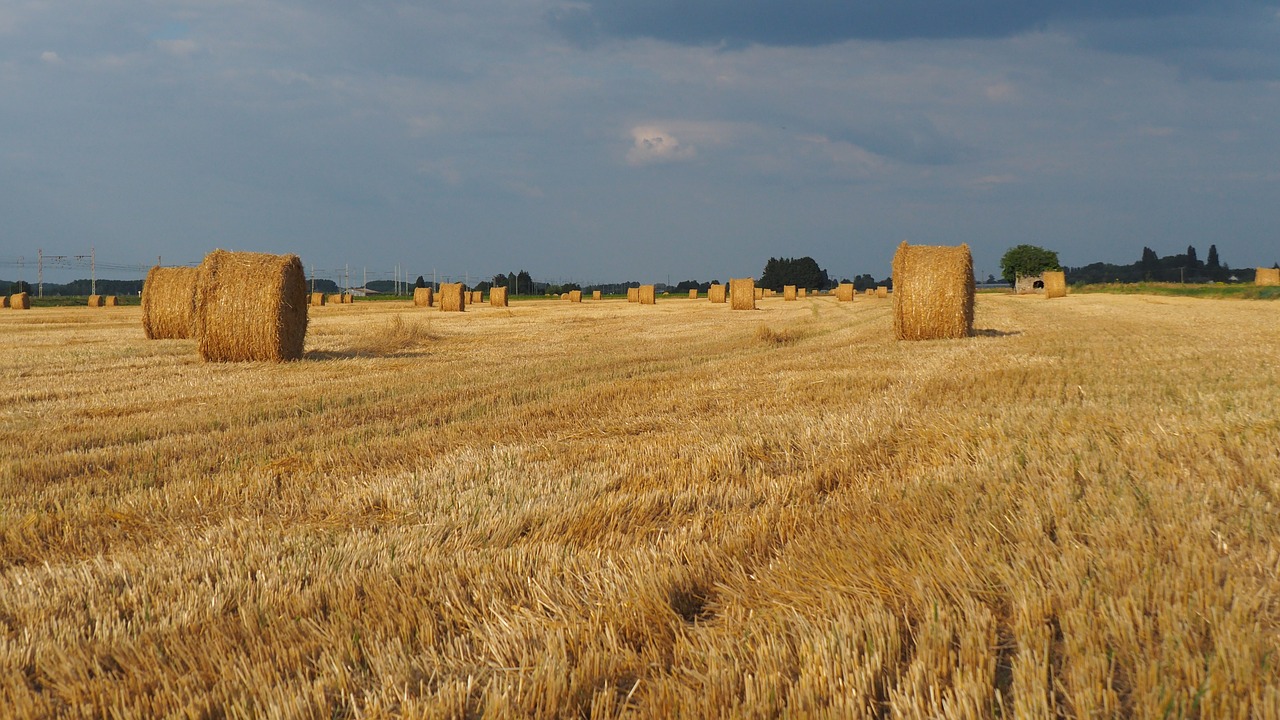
(602, 140)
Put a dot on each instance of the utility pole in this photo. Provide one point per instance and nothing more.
(40, 271)
(365, 285)
(93, 270)
(313, 278)
(435, 284)
(346, 280)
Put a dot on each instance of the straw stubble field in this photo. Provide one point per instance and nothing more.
(1072, 513)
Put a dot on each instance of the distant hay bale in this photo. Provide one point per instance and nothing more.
(348, 298)
(802, 292)
(646, 295)
(250, 306)
(575, 296)
(882, 292)
(97, 300)
(844, 292)
(477, 297)
(1055, 284)
(498, 297)
(110, 301)
(716, 293)
(4, 301)
(595, 295)
(169, 303)
(759, 292)
(318, 298)
(633, 294)
(788, 292)
(693, 294)
(1267, 276)
(452, 298)
(564, 296)
(742, 294)
(422, 297)
(20, 301)
(335, 299)
(932, 292)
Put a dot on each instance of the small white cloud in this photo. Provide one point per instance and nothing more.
(651, 144)
(999, 91)
(50, 57)
(178, 48)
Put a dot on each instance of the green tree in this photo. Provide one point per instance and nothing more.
(801, 272)
(1026, 260)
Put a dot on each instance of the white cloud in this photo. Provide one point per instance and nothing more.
(50, 57)
(999, 91)
(178, 48)
(651, 144)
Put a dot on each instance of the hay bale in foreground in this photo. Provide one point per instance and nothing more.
(882, 292)
(452, 298)
(646, 295)
(788, 292)
(250, 306)
(422, 297)
(742, 294)
(110, 301)
(575, 296)
(596, 294)
(633, 294)
(20, 301)
(169, 303)
(97, 301)
(1055, 284)
(498, 297)
(932, 292)
(716, 293)
(318, 298)
(1267, 276)
(844, 292)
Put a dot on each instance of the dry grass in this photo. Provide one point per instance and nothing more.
(1070, 514)
(1267, 276)
(169, 303)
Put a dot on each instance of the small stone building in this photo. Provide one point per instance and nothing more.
(1029, 285)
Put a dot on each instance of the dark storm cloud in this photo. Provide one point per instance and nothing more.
(820, 22)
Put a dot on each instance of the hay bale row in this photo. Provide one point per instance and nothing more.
(250, 306)
(318, 298)
(633, 294)
(422, 297)
(169, 303)
(742, 294)
(1266, 276)
(452, 297)
(646, 295)
(932, 292)
(1055, 284)
(498, 297)
(716, 293)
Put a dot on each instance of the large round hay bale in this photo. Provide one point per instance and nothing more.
(169, 303)
(1055, 284)
(646, 295)
(422, 297)
(20, 301)
(693, 294)
(932, 292)
(318, 298)
(96, 301)
(498, 297)
(633, 294)
(716, 293)
(452, 298)
(788, 292)
(742, 294)
(882, 292)
(575, 296)
(250, 306)
(1267, 276)
(110, 301)
(844, 292)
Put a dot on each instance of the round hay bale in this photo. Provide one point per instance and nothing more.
(422, 297)
(575, 296)
(802, 293)
(96, 301)
(1267, 276)
(646, 295)
(498, 297)
(742, 294)
(4, 301)
(693, 294)
(317, 298)
(1055, 284)
(844, 292)
(334, 299)
(788, 292)
(452, 298)
(250, 306)
(169, 303)
(882, 292)
(20, 301)
(596, 294)
(932, 292)
(633, 294)
(716, 293)
(110, 301)
(477, 297)
(347, 298)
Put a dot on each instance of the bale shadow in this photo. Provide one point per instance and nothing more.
(991, 332)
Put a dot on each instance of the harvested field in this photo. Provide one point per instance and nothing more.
(1071, 513)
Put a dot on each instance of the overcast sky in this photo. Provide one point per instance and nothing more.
(640, 140)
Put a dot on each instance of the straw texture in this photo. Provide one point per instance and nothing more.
(498, 297)
(422, 297)
(742, 294)
(250, 306)
(716, 293)
(596, 294)
(452, 298)
(932, 292)
(1055, 284)
(646, 295)
(633, 294)
(1267, 276)
(169, 303)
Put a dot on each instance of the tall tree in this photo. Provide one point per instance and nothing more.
(1192, 262)
(1026, 260)
(1212, 262)
(524, 283)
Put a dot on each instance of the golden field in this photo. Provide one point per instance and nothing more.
(606, 509)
